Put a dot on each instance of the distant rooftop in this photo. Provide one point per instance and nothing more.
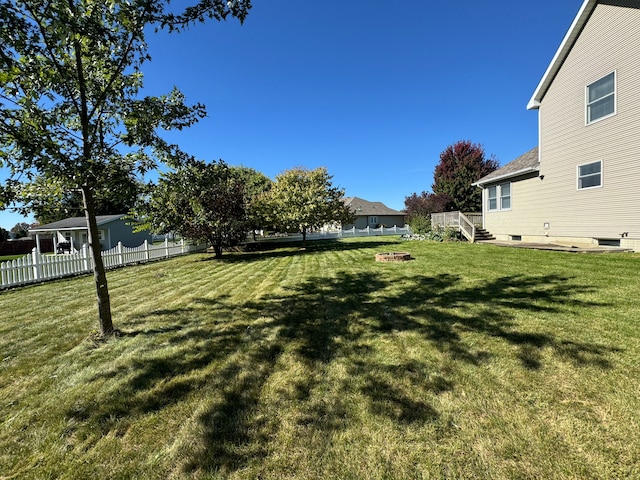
(360, 206)
(75, 223)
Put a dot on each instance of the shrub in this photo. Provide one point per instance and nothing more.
(437, 234)
(420, 224)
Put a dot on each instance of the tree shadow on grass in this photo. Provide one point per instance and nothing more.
(176, 356)
(334, 319)
(321, 323)
(313, 247)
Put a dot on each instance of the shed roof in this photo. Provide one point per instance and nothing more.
(360, 206)
(75, 223)
(529, 162)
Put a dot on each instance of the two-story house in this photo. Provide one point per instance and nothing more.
(581, 185)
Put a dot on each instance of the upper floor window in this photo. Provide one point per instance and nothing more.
(601, 98)
(499, 197)
(590, 175)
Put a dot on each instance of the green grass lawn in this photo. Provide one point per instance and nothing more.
(8, 258)
(470, 361)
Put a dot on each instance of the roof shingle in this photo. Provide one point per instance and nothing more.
(529, 162)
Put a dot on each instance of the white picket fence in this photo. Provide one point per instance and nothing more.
(361, 232)
(333, 234)
(38, 268)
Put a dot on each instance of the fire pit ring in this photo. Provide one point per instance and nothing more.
(393, 257)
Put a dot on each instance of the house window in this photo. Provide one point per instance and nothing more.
(590, 175)
(492, 199)
(505, 196)
(601, 98)
(373, 220)
(499, 197)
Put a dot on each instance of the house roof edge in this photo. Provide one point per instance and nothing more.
(561, 54)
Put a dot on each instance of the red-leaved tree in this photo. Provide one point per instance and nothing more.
(426, 204)
(462, 164)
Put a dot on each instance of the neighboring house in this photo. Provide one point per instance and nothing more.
(71, 233)
(372, 214)
(581, 186)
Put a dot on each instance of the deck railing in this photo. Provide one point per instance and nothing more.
(465, 222)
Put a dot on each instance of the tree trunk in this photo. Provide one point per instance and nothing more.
(304, 237)
(99, 273)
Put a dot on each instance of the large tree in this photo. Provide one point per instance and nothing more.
(199, 201)
(462, 164)
(70, 76)
(20, 230)
(256, 189)
(303, 199)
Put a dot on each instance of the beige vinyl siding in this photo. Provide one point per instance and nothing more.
(610, 42)
(524, 217)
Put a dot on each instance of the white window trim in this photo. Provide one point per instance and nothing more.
(578, 176)
(499, 197)
(615, 99)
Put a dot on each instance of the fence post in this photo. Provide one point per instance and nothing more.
(36, 264)
(166, 247)
(146, 250)
(182, 245)
(368, 230)
(120, 257)
(85, 257)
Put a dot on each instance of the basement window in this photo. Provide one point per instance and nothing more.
(609, 242)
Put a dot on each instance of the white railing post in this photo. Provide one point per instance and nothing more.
(182, 245)
(166, 247)
(146, 250)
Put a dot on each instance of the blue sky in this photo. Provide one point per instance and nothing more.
(370, 89)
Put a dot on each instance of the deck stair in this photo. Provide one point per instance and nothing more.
(483, 236)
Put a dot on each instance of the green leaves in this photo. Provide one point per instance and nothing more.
(70, 77)
(303, 199)
(199, 201)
